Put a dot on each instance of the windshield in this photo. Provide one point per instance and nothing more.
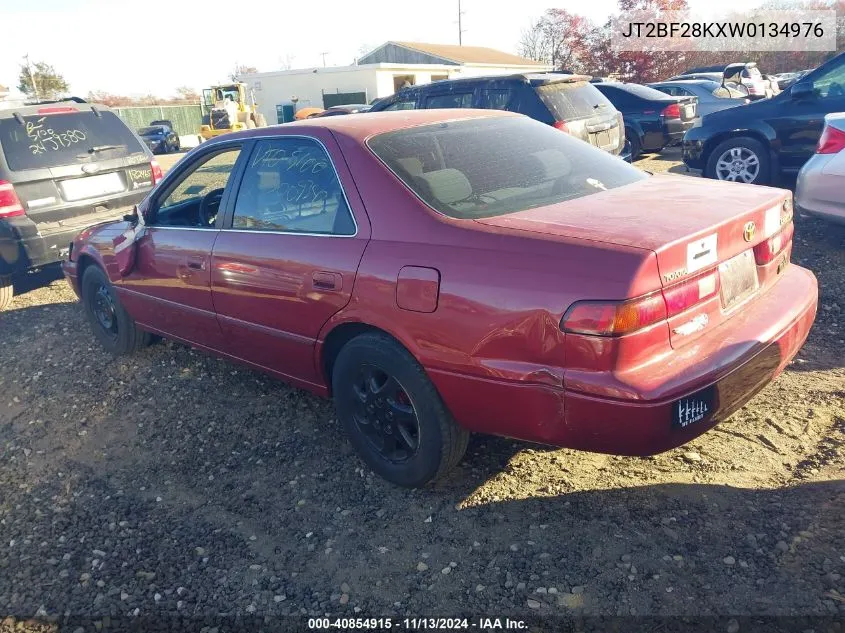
(526, 164)
(151, 130)
(43, 141)
(573, 100)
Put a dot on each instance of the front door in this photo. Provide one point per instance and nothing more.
(286, 260)
(169, 286)
(800, 121)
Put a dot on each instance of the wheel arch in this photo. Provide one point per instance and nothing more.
(714, 141)
(339, 334)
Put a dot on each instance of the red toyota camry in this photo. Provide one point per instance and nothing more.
(447, 271)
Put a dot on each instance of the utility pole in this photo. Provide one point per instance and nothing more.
(32, 77)
(460, 30)
(324, 58)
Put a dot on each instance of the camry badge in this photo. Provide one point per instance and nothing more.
(91, 168)
(748, 231)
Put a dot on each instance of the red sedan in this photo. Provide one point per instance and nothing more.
(447, 271)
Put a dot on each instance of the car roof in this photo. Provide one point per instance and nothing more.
(686, 82)
(360, 126)
(537, 79)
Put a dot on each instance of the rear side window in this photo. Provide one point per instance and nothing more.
(526, 164)
(450, 100)
(53, 140)
(573, 100)
(494, 99)
(402, 105)
(290, 185)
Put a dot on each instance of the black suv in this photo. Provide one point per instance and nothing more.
(568, 102)
(759, 141)
(64, 166)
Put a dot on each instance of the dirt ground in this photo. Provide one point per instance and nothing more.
(172, 483)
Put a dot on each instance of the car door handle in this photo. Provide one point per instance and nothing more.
(324, 280)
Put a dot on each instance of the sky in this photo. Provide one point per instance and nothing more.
(125, 47)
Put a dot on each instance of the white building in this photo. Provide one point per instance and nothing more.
(378, 74)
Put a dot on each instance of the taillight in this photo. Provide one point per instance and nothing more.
(157, 174)
(561, 125)
(690, 292)
(672, 111)
(832, 141)
(767, 250)
(614, 318)
(10, 204)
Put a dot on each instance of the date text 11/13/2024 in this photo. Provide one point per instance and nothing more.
(417, 624)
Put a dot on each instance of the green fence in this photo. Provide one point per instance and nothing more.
(186, 118)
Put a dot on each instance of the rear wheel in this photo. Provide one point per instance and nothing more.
(7, 291)
(634, 139)
(392, 413)
(112, 326)
(741, 159)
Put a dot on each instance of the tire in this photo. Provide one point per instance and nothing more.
(102, 305)
(634, 139)
(7, 291)
(372, 410)
(720, 167)
(260, 120)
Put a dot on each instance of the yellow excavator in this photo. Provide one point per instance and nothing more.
(228, 108)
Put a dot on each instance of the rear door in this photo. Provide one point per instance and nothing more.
(74, 167)
(287, 258)
(587, 113)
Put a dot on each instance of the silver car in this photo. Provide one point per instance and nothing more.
(711, 95)
(821, 182)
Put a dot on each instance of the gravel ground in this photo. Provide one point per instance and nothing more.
(175, 483)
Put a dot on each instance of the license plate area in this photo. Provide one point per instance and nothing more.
(92, 186)
(738, 277)
(695, 408)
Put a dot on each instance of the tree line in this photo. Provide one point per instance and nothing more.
(568, 41)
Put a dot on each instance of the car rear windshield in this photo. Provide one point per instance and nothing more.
(156, 129)
(479, 168)
(53, 140)
(643, 92)
(573, 100)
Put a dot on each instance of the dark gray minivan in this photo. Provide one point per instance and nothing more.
(568, 102)
(64, 166)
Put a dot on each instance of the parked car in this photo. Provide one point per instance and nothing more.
(743, 75)
(760, 141)
(565, 101)
(350, 108)
(161, 139)
(653, 119)
(549, 292)
(710, 94)
(820, 189)
(63, 167)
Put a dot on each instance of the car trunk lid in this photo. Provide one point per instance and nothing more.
(693, 227)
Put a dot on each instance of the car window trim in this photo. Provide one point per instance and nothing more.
(229, 215)
(179, 176)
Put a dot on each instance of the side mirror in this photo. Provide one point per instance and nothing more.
(802, 90)
(132, 218)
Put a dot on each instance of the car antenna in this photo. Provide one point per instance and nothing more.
(18, 117)
(96, 110)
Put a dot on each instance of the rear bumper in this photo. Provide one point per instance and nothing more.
(675, 129)
(25, 245)
(753, 349)
(819, 193)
